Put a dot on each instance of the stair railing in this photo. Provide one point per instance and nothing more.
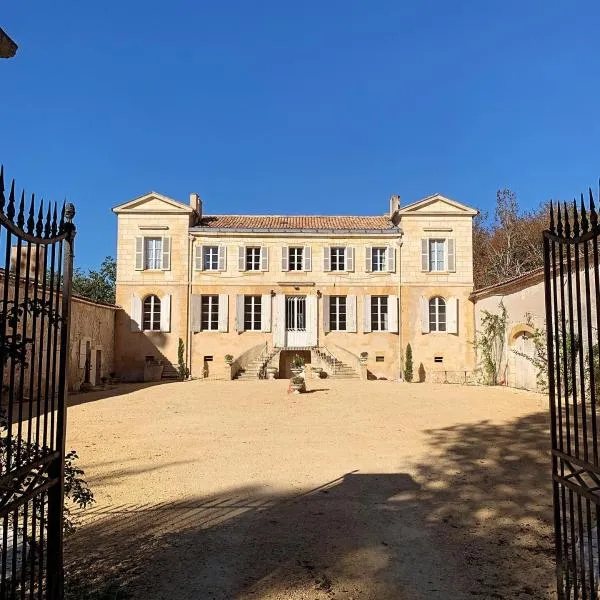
(329, 358)
(350, 359)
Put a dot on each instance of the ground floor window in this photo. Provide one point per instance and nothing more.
(151, 320)
(437, 314)
(252, 312)
(210, 313)
(379, 313)
(337, 313)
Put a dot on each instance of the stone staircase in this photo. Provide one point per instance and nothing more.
(336, 369)
(256, 369)
(170, 371)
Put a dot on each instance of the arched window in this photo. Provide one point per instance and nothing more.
(437, 314)
(151, 319)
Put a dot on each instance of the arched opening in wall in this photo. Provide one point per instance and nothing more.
(522, 372)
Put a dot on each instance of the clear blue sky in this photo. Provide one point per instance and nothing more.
(323, 106)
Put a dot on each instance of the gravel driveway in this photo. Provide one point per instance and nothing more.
(363, 490)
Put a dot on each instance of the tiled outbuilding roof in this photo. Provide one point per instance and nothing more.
(297, 222)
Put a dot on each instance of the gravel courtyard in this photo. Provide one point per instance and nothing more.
(356, 490)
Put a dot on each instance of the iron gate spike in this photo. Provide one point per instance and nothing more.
(575, 219)
(552, 228)
(39, 226)
(559, 225)
(21, 215)
(567, 223)
(2, 197)
(31, 219)
(47, 228)
(585, 226)
(10, 209)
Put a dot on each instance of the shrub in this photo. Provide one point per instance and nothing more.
(229, 358)
(408, 364)
(364, 355)
(182, 367)
(297, 361)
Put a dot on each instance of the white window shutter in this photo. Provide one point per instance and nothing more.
(391, 259)
(222, 258)
(424, 254)
(451, 255)
(139, 253)
(367, 314)
(198, 259)
(327, 258)
(241, 258)
(196, 324)
(136, 313)
(312, 323)
(368, 259)
(424, 315)
(393, 314)
(165, 313)
(279, 321)
(166, 254)
(349, 258)
(223, 313)
(239, 313)
(285, 258)
(264, 258)
(452, 315)
(307, 258)
(82, 354)
(265, 312)
(326, 325)
(351, 314)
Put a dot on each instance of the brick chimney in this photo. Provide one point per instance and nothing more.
(196, 204)
(394, 208)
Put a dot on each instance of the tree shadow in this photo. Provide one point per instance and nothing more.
(111, 391)
(474, 521)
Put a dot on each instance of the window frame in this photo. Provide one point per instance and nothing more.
(211, 322)
(380, 312)
(437, 324)
(154, 313)
(437, 243)
(208, 253)
(338, 313)
(339, 262)
(382, 265)
(157, 258)
(298, 263)
(253, 312)
(253, 258)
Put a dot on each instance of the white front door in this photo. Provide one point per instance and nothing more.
(295, 322)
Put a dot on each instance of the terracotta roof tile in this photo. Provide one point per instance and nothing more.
(295, 222)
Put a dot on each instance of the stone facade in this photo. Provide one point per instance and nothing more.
(179, 281)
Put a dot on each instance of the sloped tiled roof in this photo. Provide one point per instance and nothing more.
(295, 222)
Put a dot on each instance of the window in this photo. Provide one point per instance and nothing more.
(151, 313)
(210, 257)
(252, 312)
(337, 313)
(437, 252)
(379, 358)
(296, 256)
(210, 313)
(338, 259)
(152, 253)
(437, 314)
(379, 259)
(379, 313)
(252, 259)
(438, 359)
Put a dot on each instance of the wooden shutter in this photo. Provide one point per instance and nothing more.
(351, 314)
(285, 258)
(241, 258)
(307, 258)
(349, 258)
(82, 354)
(198, 264)
(223, 313)
(196, 308)
(279, 321)
(136, 313)
(424, 315)
(452, 315)
(239, 313)
(166, 253)
(165, 313)
(327, 258)
(391, 259)
(326, 326)
(264, 258)
(312, 323)
(368, 259)
(222, 258)
(139, 253)
(393, 314)
(424, 254)
(451, 255)
(366, 314)
(265, 312)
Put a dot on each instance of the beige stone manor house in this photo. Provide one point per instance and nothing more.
(265, 288)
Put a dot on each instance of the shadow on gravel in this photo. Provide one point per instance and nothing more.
(473, 522)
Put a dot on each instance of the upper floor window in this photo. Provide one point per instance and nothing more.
(338, 259)
(296, 259)
(252, 313)
(253, 259)
(379, 262)
(379, 313)
(337, 313)
(209, 313)
(152, 253)
(151, 313)
(437, 314)
(210, 258)
(437, 255)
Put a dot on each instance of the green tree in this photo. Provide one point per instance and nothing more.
(408, 364)
(98, 286)
(182, 367)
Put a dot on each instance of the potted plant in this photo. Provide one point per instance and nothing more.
(297, 364)
(297, 384)
(228, 358)
(363, 358)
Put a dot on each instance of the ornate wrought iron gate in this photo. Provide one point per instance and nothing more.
(36, 253)
(572, 289)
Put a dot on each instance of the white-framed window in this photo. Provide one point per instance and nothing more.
(338, 258)
(379, 313)
(437, 314)
(253, 259)
(209, 313)
(153, 253)
(337, 313)
(210, 258)
(437, 255)
(151, 313)
(296, 258)
(379, 260)
(252, 313)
